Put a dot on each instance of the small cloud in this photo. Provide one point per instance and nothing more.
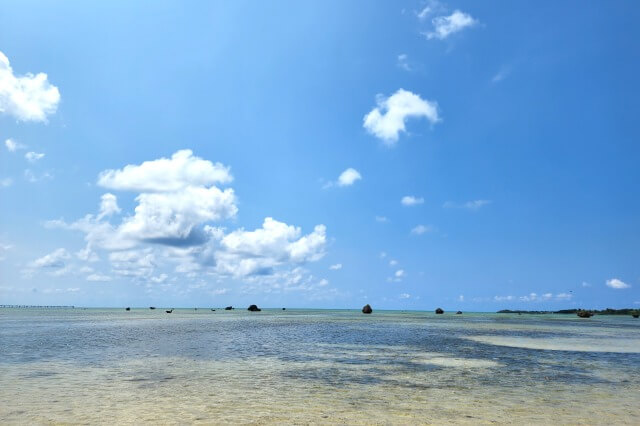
(461, 298)
(585, 284)
(28, 97)
(336, 267)
(564, 296)
(404, 296)
(444, 26)
(55, 259)
(503, 298)
(393, 262)
(501, 75)
(160, 278)
(383, 255)
(421, 229)
(13, 146)
(381, 219)
(410, 200)
(220, 291)
(403, 62)
(387, 120)
(469, 205)
(98, 278)
(617, 284)
(32, 157)
(4, 182)
(399, 273)
(348, 177)
(30, 176)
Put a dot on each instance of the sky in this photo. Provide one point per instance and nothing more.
(472, 155)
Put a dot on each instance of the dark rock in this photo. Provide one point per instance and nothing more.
(213, 310)
(152, 307)
(127, 309)
(228, 308)
(439, 311)
(459, 313)
(366, 309)
(170, 311)
(253, 308)
(635, 315)
(584, 314)
(284, 309)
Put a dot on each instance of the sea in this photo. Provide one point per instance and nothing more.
(96, 366)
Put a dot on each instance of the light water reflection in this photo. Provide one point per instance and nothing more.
(301, 366)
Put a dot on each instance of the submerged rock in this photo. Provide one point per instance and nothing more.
(253, 308)
(439, 311)
(228, 308)
(366, 309)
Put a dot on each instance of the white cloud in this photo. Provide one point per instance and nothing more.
(3, 249)
(399, 273)
(421, 229)
(244, 253)
(382, 255)
(404, 296)
(160, 278)
(388, 119)
(4, 182)
(444, 26)
(348, 177)
(503, 298)
(410, 200)
(108, 205)
(166, 175)
(55, 259)
(501, 75)
(585, 284)
(403, 62)
(382, 219)
(393, 262)
(32, 157)
(133, 263)
(617, 284)
(98, 278)
(27, 98)
(13, 146)
(469, 205)
(336, 267)
(461, 298)
(564, 296)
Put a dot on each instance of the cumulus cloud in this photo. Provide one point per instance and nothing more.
(55, 259)
(28, 97)
(348, 177)
(388, 119)
(617, 284)
(535, 297)
(444, 26)
(108, 205)
(182, 170)
(244, 253)
(336, 267)
(421, 229)
(469, 205)
(32, 157)
(13, 146)
(410, 200)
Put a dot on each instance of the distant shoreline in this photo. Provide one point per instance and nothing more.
(608, 311)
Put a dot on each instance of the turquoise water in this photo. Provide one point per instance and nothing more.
(316, 366)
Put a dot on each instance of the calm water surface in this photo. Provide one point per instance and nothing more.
(308, 366)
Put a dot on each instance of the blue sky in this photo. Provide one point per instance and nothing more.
(474, 155)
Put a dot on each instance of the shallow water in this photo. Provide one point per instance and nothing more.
(316, 366)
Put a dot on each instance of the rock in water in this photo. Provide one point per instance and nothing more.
(584, 314)
(459, 313)
(366, 309)
(228, 308)
(439, 311)
(254, 308)
(127, 309)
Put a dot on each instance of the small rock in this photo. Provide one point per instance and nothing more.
(254, 308)
(366, 309)
(459, 313)
(228, 308)
(439, 311)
